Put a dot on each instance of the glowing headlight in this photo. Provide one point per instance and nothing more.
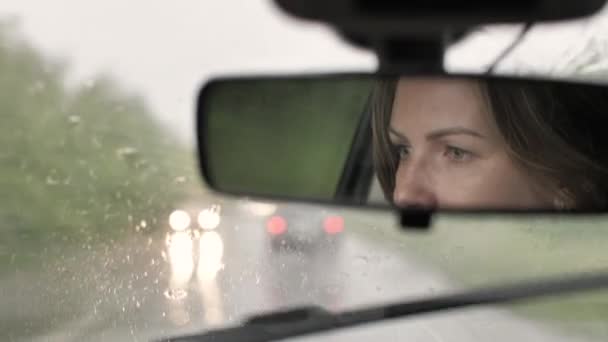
(209, 218)
(179, 220)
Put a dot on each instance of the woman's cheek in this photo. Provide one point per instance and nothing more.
(477, 185)
(489, 184)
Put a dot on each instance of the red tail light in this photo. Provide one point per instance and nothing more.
(333, 224)
(276, 225)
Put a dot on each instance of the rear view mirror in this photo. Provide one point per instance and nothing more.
(438, 142)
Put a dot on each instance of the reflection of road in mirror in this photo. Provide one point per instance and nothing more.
(211, 252)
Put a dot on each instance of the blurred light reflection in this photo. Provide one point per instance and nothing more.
(211, 252)
(261, 209)
(181, 254)
(181, 259)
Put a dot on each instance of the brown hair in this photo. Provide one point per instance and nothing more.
(556, 131)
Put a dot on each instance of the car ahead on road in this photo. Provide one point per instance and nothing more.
(304, 228)
(195, 216)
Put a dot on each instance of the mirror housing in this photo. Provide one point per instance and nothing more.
(320, 139)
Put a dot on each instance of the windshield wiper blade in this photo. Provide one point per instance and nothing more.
(309, 320)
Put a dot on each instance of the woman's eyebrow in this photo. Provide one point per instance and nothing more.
(398, 134)
(453, 131)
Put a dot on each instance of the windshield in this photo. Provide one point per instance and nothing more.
(107, 233)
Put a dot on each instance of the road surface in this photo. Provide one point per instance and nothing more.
(156, 284)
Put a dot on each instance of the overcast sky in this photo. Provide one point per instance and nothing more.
(165, 50)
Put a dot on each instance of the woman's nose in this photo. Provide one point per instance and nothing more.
(413, 188)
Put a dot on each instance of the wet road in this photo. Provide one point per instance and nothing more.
(159, 284)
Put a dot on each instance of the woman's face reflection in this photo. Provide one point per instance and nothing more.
(451, 154)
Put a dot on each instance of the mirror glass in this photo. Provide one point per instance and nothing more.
(436, 142)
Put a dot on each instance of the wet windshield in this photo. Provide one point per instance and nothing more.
(106, 232)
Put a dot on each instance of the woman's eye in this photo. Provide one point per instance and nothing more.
(458, 154)
(401, 151)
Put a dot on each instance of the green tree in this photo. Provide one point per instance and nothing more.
(78, 164)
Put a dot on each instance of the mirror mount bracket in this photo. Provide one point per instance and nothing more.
(412, 54)
(409, 52)
(415, 219)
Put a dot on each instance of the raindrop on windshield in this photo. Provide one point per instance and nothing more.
(126, 152)
(175, 294)
(95, 141)
(37, 87)
(304, 282)
(332, 289)
(51, 181)
(74, 119)
(89, 83)
(360, 260)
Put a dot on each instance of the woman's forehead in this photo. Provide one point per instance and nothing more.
(431, 103)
